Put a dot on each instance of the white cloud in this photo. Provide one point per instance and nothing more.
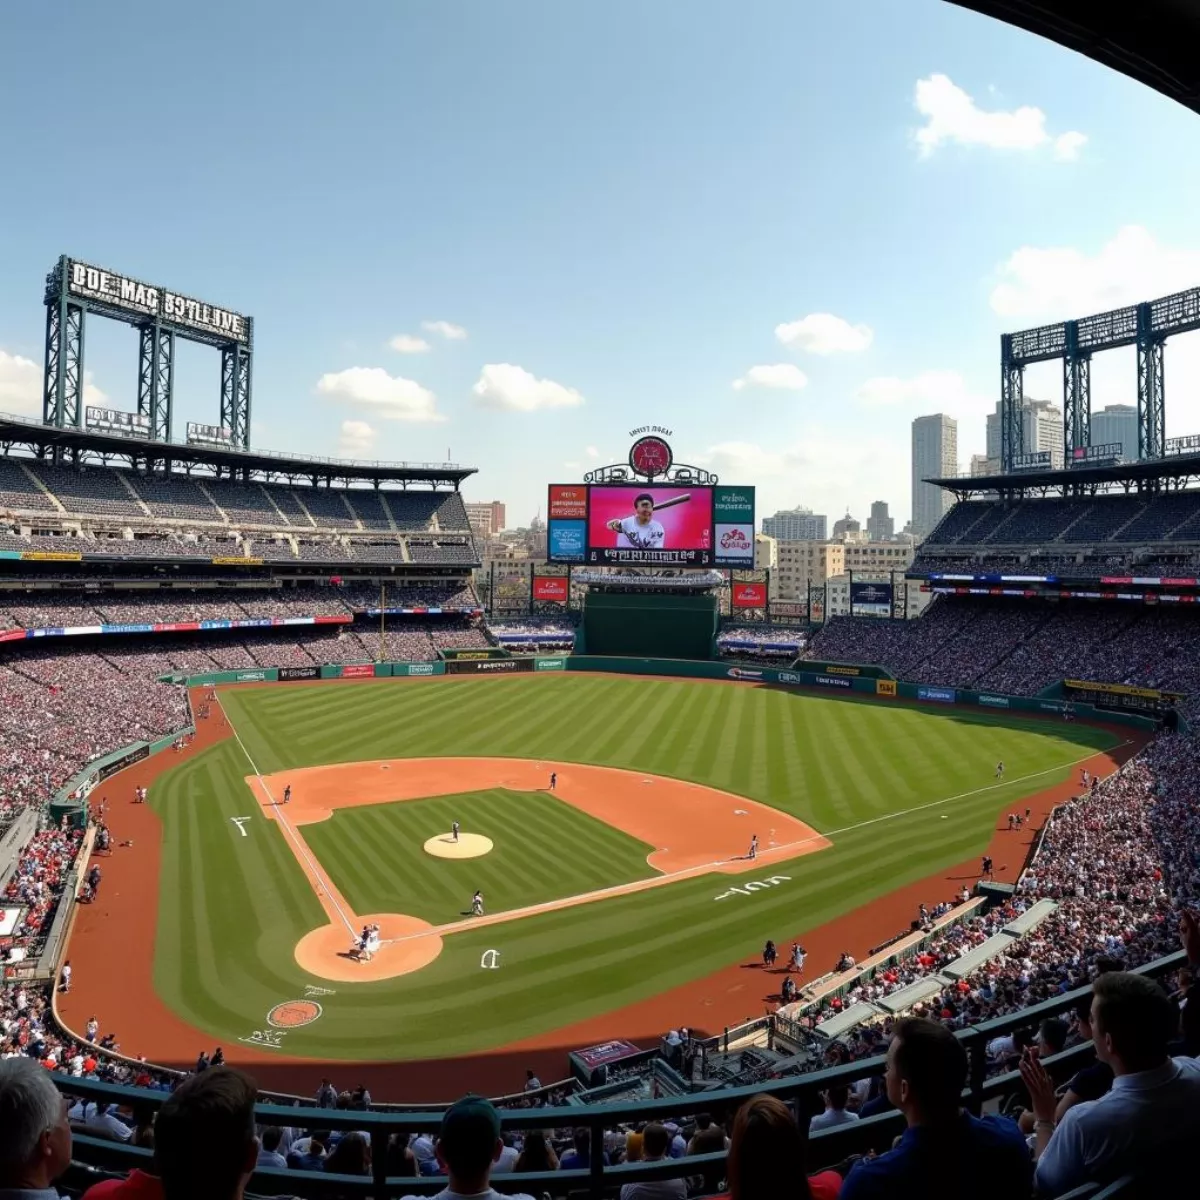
(952, 116)
(407, 343)
(926, 392)
(823, 333)
(356, 439)
(21, 387)
(785, 376)
(511, 388)
(1056, 283)
(445, 329)
(388, 396)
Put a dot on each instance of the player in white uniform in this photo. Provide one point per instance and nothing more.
(753, 847)
(798, 956)
(477, 905)
(454, 830)
(641, 531)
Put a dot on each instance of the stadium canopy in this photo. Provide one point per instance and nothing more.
(143, 453)
(1151, 474)
(1153, 41)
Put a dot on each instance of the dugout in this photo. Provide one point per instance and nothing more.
(645, 622)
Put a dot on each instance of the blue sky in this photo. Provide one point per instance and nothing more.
(516, 230)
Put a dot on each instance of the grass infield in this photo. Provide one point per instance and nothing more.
(900, 791)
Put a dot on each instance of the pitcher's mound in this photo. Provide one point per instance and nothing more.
(469, 845)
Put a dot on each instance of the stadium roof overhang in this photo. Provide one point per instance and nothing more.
(1153, 41)
(43, 439)
(1175, 469)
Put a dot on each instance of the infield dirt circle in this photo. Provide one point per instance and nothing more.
(466, 845)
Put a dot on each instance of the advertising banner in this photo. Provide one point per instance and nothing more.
(549, 664)
(550, 587)
(990, 701)
(733, 505)
(832, 681)
(491, 666)
(134, 755)
(735, 545)
(237, 562)
(111, 420)
(941, 695)
(249, 676)
(51, 556)
(286, 673)
(568, 502)
(568, 541)
(359, 671)
(416, 668)
(605, 1053)
(749, 595)
(885, 687)
(871, 598)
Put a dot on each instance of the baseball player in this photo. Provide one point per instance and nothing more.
(753, 847)
(641, 531)
(553, 780)
(287, 794)
(799, 954)
(477, 905)
(454, 831)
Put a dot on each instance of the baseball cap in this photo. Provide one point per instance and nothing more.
(471, 1123)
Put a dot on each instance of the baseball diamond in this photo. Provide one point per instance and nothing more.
(599, 895)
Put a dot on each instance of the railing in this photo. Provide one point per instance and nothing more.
(826, 1147)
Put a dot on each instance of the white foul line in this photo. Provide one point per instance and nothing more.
(297, 841)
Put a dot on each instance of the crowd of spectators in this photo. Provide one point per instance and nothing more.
(37, 883)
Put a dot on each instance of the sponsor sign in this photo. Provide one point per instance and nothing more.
(208, 435)
(650, 456)
(788, 608)
(606, 1052)
(734, 506)
(1182, 445)
(112, 420)
(471, 654)
(735, 545)
(127, 759)
(286, 673)
(550, 587)
(133, 296)
(745, 673)
(789, 677)
(568, 502)
(838, 669)
(416, 668)
(568, 541)
(237, 562)
(749, 595)
(549, 664)
(831, 681)
(1109, 452)
(359, 671)
(1050, 705)
(1114, 689)
(1037, 461)
(990, 701)
(250, 677)
(492, 666)
(940, 695)
(871, 596)
(885, 687)
(51, 556)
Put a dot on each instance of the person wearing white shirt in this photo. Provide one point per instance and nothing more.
(106, 1122)
(1153, 1110)
(835, 1110)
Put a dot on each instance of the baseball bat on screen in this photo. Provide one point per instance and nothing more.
(674, 500)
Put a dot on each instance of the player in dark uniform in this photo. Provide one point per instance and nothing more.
(454, 830)
(553, 781)
(986, 871)
(287, 794)
(769, 954)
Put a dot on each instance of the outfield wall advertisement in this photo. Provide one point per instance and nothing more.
(488, 666)
(550, 587)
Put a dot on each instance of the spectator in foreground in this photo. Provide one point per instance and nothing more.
(1153, 1109)
(944, 1151)
(835, 1112)
(768, 1154)
(656, 1142)
(35, 1142)
(268, 1154)
(579, 1157)
(467, 1146)
(536, 1153)
(204, 1142)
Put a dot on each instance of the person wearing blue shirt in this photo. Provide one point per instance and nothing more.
(944, 1151)
(580, 1158)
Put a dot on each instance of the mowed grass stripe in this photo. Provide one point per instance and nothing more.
(543, 850)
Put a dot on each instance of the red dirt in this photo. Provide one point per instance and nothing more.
(119, 980)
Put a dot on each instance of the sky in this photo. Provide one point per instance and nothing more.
(512, 232)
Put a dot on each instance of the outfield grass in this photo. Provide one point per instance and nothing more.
(863, 773)
(542, 850)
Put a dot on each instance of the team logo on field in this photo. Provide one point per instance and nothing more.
(293, 1013)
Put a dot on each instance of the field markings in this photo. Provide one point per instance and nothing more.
(326, 888)
(326, 892)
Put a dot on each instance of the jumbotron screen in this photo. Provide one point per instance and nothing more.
(677, 524)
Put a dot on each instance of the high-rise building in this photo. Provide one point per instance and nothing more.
(934, 455)
(880, 525)
(1117, 423)
(982, 465)
(1041, 429)
(486, 518)
(846, 527)
(796, 525)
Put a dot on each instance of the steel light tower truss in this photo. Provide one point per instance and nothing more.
(1146, 326)
(156, 378)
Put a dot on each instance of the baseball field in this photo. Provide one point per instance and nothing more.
(627, 880)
